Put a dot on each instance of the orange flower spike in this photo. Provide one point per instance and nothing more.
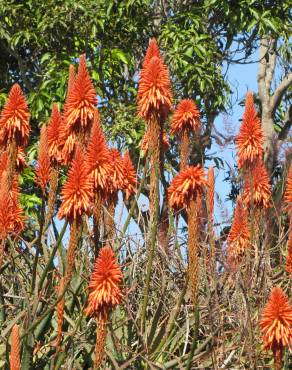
(145, 142)
(54, 128)
(68, 142)
(116, 181)
(210, 192)
(104, 287)
(239, 235)
(14, 120)
(186, 117)
(258, 186)
(76, 193)
(288, 191)
(81, 100)
(154, 93)
(43, 168)
(276, 322)
(71, 79)
(11, 219)
(130, 180)
(18, 223)
(152, 51)
(186, 186)
(15, 349)
(98, 157)
(250, 139)
(289, 251)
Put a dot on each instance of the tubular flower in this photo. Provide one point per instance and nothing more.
(98, 157)
(68, 144)
(18, 223)
(250, 138)
(11, 219)
(257, 188)
(15, 349)
(116, 180)
(288, 191)
(276, 321)
(43, 167)
(186, 117)
(71, 79)
(239, 235)
(152, 51)
(14, 120)
(130, 181)
(154, 93)
(54, 127)
(20, 160)
(104, 286)
(81, 99)
(186, 186)
(76, 193)
(145, 142)
(210, 193)
(289, 251)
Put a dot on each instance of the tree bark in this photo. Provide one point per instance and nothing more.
(269, 101)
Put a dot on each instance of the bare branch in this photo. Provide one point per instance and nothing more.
(271, 64)
(262, 70)
(287, 124)
(280, 91)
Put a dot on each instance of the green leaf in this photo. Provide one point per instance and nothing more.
(120, 55)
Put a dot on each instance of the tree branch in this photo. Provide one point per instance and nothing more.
(287, 124)
(272, 58)
(280, 91)
(262, 70)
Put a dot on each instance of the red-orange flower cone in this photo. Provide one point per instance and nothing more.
(43, 168)
(276, 324)
(105, 292)
(257, 188)
(71, 79)
(11, 218)
(186, 117)
(152, 51)
(68, 144)
(250, 139)
(239, 235)
(288, 190)
(116, 180)
(186, 186)
(15, 349)
(98, 157)
(81, 99)
(154, 93)
(54, 139)
(14, 120)
(185, 191)
(130, 180)
(76, 193)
